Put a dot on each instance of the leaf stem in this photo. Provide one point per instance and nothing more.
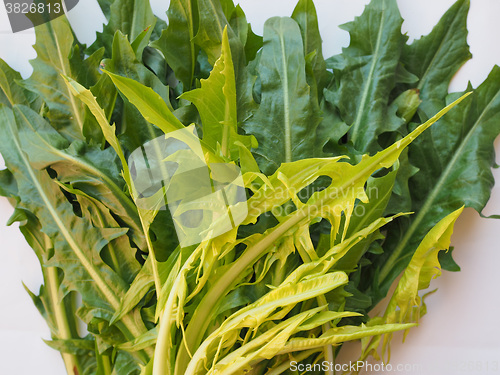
(154, 262)
(367, 87)
(162, 364)
(328, 349)
(63, 329)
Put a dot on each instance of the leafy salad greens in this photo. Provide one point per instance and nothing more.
(355, 169)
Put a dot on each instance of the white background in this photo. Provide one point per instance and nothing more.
(459, 335)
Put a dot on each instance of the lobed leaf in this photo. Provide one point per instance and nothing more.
(54, 45)
(366, 73)
(451, 174)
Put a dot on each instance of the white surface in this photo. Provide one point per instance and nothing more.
(460, 333)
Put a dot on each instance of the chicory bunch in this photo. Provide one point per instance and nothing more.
(346, 184)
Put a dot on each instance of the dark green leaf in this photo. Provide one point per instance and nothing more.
(87, 168)
(212, 22)
(76, 242)
(54, 46)
(177, 41)
(130, 17)
(454, 169)
(365, 74)
(435, 58)
(106, 7)
(287, 118)
(447, 262)
(305, 15)
(12, 93)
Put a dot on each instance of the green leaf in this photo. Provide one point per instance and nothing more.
(405, 304)
(144, 341)
(11, 92)
(265, 346)
(151, 105)
(106, 7)
(342, 334)
(423, 267)
(8, 186)
(447, 262)
(57, 309)
(283, 298)
(455, 169)
(256, 314)
(143, 283)
(306, 17)
(315, 251)
(250, 42)
(54, 46)
(87, 168)
(379, 191)
(253, 45)
(76, 242)
(146, 215)
(141, 42)
(133, 128)
(125, 363)
(155, 110)
(216, 103)
(366, 72)
(108, 130)
(130, 17)
(73, 346)
(177, 41)
(136, 130)
(118, 254)
(401, 197)
(138, 289)
(227, 7)
(86, 72)
(287, 118)
(212, 22)
(435, 58)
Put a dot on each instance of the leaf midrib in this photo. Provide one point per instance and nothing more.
(364, 97)
(214, 8)
(63, 68)
(187, 12)
(286, 300)
(286, 100)
(7, 91)
(135, 16)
